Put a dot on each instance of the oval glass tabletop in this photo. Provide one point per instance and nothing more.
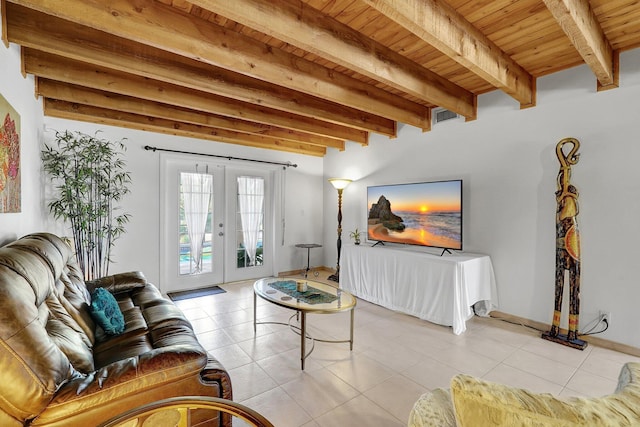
(305, 295)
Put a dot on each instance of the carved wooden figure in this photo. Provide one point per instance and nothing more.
(567, 247)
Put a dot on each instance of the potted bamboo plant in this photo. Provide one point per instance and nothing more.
(89, 177)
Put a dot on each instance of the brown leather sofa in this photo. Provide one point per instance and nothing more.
(60, 369)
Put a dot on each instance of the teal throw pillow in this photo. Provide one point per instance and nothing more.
(106, 312)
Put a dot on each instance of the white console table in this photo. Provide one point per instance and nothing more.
(440, 289)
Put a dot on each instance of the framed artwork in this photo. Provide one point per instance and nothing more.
(10, 196)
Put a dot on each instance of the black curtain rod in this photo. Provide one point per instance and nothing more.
(287, 164)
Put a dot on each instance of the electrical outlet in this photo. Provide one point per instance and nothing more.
(605, 315)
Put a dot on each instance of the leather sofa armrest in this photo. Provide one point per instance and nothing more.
(124, 384)
(150, 368)
(214, 372)
(120, 282)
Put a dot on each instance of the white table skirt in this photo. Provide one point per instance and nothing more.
(440, 289)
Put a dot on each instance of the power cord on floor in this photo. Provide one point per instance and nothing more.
(598, 320)
(518, 323)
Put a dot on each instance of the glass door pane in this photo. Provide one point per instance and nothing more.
(250, 234)
(195, 226)
(249, 221)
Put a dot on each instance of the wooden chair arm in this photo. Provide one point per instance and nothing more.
(175, 412)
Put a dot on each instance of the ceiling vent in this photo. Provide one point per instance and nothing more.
(441, 115)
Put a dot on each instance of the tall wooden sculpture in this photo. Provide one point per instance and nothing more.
(567, 248)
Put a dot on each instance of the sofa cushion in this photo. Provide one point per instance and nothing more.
(500, 405)
(76, 300)
(106, 312)
(433, 410)
(120, 282)
(71, 344)
(33, 364)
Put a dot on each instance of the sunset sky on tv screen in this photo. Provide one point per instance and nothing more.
(420, 198)
(427, 214)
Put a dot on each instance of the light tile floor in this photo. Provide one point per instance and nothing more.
(395, 359)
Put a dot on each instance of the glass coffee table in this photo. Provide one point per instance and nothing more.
(304, 296)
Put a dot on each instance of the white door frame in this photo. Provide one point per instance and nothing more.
(170, 279)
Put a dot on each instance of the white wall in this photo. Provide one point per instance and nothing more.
(508, 163)
(18, 91)
(139, 248)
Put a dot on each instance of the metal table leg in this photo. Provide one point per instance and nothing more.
(351, 332)
(306, 272)
(303, 337)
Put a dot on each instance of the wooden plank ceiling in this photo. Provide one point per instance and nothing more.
(304, 76)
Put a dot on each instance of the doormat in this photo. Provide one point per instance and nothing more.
(202, 292)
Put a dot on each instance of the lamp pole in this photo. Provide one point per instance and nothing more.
(340, 184)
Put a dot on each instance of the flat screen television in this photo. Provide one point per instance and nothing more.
(424, 214)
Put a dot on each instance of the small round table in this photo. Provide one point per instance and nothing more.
(308, 247)
(316, 298)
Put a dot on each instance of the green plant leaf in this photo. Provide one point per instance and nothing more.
(88, 174)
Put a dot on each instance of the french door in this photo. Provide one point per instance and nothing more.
(216, 223)
(250, 236)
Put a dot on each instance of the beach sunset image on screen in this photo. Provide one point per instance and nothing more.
(426, 214)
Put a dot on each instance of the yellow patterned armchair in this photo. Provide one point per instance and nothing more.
(473, 402)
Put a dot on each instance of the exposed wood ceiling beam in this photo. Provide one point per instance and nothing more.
(69, 71)
(39, 31)
(302, 26)
(296, 74)
(442, 27)
(165, 28)
(3, 23)
(581, 26)
(81, 95)
(86, 113)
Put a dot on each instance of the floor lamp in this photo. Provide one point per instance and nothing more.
(339, 184)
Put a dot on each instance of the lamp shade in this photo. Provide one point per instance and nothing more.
(339, 183)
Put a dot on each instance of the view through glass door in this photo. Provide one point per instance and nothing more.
(215, 224)
(192, 213)
(250, 235)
